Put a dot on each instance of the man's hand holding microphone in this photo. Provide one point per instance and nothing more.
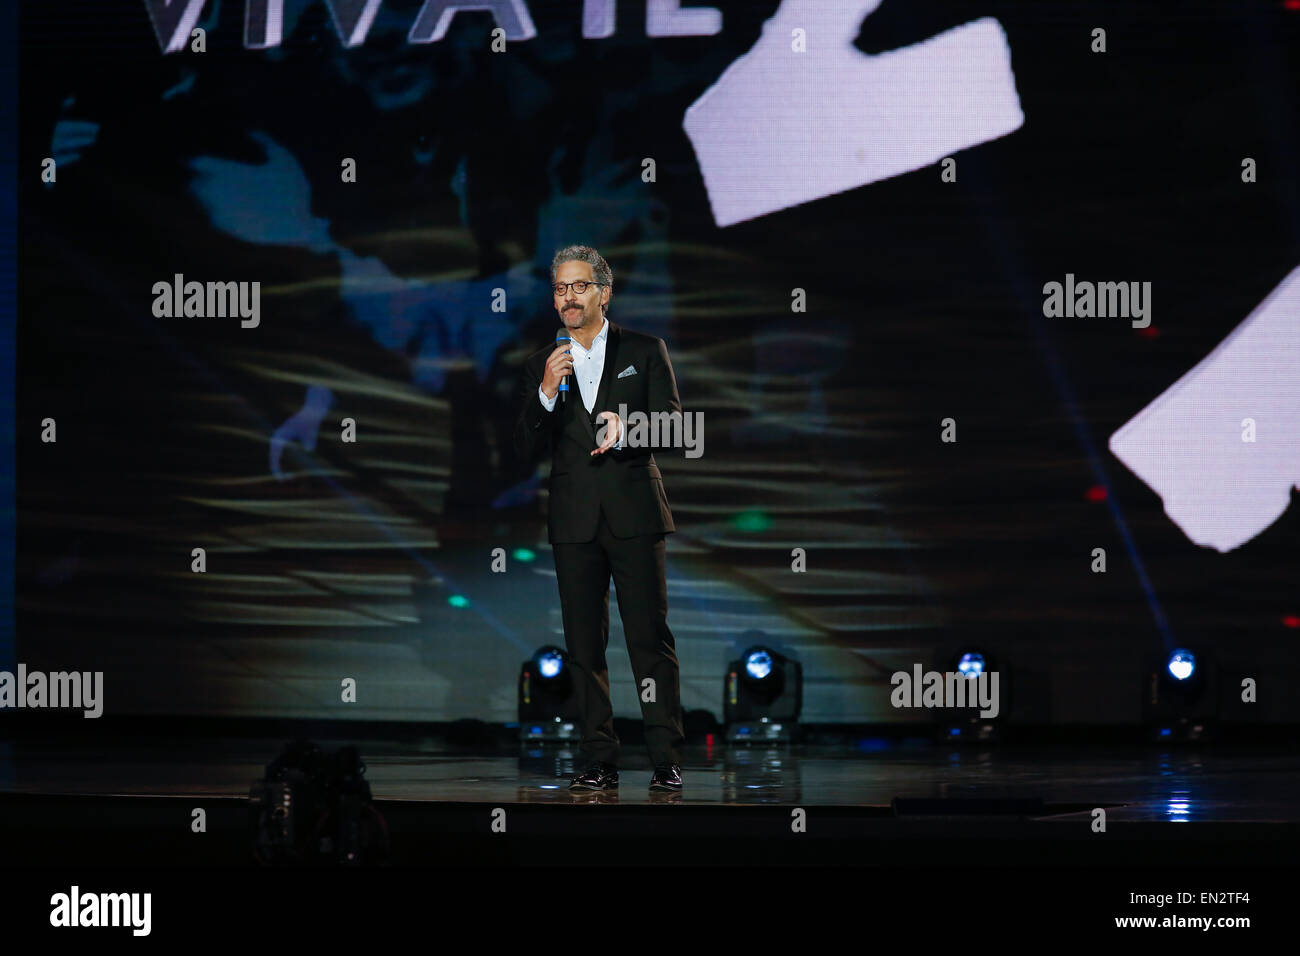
(558, 367)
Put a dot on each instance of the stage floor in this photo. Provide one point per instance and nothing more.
(856, 801)
(1181, 785)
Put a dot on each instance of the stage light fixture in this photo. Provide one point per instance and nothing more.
(762, 696)
(548, 708)
(1180, 696)
(962, 725)
(313, 807)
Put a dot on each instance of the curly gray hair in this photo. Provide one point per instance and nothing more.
(600, 270)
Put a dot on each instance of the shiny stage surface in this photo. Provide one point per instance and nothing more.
(1258, 784)
(130, 799)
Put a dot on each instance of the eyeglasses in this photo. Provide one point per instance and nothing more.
(579, 287)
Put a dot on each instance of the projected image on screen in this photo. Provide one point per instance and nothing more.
(1221, 446)
(804, 115)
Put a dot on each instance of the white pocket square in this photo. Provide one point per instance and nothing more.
(630, 370)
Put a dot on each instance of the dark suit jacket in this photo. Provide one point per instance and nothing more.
(626, 483)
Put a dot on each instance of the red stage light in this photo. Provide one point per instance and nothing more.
(1096, 493)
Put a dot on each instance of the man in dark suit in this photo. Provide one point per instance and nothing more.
(608, 512)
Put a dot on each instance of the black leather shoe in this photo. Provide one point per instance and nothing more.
(667, 778)
(599, 776)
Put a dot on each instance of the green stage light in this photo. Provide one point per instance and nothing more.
(751, 521)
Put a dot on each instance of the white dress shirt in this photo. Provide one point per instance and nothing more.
(588, 367)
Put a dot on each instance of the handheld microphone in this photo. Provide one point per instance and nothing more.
(563, 336)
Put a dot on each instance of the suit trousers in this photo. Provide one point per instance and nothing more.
(638, 566)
